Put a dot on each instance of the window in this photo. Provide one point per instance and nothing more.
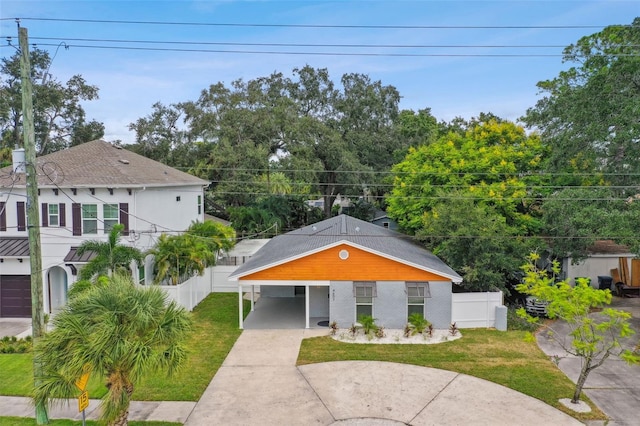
(110, 214)
(416, 293)
(89, 218)
(199, 204)
(364, 292)
(54, 215)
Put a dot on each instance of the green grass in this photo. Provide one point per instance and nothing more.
(506, 358)
(215, 332)
(23, 421)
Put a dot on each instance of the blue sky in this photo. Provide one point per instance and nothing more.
(130, 81)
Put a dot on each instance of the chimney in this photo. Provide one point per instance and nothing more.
(18, 160)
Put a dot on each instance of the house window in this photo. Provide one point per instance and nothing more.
(364, 292)
(110, 214)
(54, 215)
(416, 293)
(89, 218)
(199, 204)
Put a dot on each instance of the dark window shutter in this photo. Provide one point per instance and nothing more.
(76, 215)
(22, 217)
(62, 219)
(45, 215)
(124, 217)
(3, 217)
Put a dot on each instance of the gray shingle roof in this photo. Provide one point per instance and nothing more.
(100, 164)
(345, 228)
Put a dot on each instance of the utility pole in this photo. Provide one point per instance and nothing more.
(33, 217)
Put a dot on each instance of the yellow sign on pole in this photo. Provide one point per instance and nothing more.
(83, 401)
(81, 383)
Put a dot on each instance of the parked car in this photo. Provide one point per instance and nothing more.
(536, 307)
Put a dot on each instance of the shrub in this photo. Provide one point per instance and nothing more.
(418, 323)
(368, 324)
(516, 323)
(10, 345)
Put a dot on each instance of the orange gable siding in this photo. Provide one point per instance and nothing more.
(360, 266)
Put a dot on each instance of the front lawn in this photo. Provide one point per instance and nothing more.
(215, 332)
(505, 358)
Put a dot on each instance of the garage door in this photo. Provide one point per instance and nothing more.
(15, 296)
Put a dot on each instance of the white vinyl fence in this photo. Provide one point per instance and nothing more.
(192, 291)
(473, 310)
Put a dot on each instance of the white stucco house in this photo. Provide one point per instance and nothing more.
(83, 192)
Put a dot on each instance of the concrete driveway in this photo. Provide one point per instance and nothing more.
(615, 386)
(259, 384)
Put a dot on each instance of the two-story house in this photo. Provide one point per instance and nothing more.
(83, 192)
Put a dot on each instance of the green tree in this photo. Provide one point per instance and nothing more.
(575, 218)
(158, 134)
(217, 236)
(417, 128)
(110, 255)
(177, 257)
(594, 337)
(327, 139)
(476, 241)
(470, 197)
(589, 114)
(58, 115)
(491, 163)
(118, 331)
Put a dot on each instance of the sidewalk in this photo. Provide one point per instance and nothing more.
(171, 411)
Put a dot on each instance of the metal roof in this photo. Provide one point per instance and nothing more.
(14, 247)
(347, 229)
(74, 257)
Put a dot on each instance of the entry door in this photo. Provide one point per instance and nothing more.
(15, 296)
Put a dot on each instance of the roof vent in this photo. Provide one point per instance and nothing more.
(357, 229)
(123, 161)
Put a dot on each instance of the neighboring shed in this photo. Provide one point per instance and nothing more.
(603, 257)
(344, 267)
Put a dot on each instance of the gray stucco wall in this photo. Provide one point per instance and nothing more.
(438, 306)
(342, 305)
(390, 306)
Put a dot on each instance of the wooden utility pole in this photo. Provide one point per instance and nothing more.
(33, 216)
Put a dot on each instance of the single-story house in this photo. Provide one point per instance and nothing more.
(345, 267)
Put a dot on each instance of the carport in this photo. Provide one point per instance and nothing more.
(287, 305)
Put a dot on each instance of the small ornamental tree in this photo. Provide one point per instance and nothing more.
(593, 336)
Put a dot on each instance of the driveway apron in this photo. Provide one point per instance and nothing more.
(259, 384)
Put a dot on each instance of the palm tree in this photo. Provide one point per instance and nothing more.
(120, 332)
(190, 253)
(110, 255)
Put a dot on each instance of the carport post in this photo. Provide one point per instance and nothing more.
(240, 304)
(306, 306)
(252, 297)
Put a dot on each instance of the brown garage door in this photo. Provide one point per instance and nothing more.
(15, 296)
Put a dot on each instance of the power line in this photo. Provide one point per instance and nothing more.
(316, 26)
(274, 52)
(399, 46)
